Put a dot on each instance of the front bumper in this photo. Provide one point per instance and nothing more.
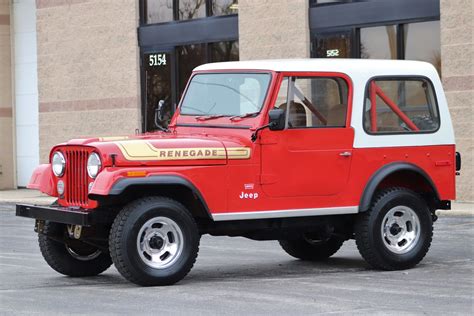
(64, 215)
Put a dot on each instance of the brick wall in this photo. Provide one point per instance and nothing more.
(273, 29)
(6, 128)
(457, 61)
(88, 72)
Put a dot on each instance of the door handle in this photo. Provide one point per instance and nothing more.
(345, 154)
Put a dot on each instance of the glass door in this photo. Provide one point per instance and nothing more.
(159, 96)
(333, 45)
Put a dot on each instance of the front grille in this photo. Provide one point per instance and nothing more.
(76, 176)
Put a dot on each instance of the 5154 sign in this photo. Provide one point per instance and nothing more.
(156, 60)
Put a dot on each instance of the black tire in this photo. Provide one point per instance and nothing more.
(125, 251)
(306, 249)
(76, 260)
(373, 246)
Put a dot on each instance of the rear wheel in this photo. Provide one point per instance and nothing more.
(307, 248)
(154, 241)
(396, 232)
(72, 257)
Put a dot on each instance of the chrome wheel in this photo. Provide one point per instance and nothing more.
(400, 229)
(160, 242)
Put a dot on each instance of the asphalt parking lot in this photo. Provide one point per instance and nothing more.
(236, 276)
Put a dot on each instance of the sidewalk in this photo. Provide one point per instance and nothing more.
(25, 196)
(36, 197)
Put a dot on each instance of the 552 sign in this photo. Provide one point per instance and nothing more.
(155, 60)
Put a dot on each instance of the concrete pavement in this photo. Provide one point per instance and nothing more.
(236, 276)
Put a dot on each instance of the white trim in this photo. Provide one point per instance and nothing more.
(286, 213)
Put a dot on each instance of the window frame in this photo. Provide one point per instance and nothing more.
(330, 75)
(400, 78)
(208, 13)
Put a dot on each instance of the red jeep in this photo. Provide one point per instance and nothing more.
(307, 152)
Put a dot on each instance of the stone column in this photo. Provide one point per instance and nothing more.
(457, 67)
(273, 29)
(88, 69)
(7, 174)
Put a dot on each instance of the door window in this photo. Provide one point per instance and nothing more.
(314, 102)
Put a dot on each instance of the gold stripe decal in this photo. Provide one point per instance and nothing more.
(143, 150)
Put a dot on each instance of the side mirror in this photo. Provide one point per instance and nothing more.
(276, 122)
(276, 119)
(159, 115)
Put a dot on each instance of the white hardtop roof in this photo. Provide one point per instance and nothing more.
(327, 65)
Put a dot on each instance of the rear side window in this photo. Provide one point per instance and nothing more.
(400, 106)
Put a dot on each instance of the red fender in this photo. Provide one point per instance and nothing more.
(42, 179)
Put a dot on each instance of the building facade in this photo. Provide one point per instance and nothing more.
(72, 68)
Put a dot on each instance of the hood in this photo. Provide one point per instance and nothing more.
(166, 149)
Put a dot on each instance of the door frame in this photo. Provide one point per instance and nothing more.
(143, 84)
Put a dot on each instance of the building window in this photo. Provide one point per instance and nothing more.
(191, 9)
(224, 7)
(162, 11)
(224, 51)
(166, 74)
(379, 42)
(411, 41)
(189, 57)
(159, 11)
(334, 45)
(422, 42)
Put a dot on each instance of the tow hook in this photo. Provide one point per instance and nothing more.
(74, 231)
(39, 226)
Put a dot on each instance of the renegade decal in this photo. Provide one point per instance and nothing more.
(143, 150)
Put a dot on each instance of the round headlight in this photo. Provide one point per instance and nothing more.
(58, 164)
(93, 165)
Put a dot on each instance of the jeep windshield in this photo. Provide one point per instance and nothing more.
(215, 95)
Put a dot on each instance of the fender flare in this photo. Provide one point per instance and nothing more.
(384, 172)
(160, 180)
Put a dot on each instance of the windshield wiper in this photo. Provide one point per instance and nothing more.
(210, 117)
(251, 114)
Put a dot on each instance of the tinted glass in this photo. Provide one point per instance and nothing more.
(158, 87)
(225, 94)
(191, 9)
(333, 45)
(378, 42)
(315, 102)
(225, 7)
(401, 106)
(189, 57)
(224, 51)
(422, 42)
(158, 11)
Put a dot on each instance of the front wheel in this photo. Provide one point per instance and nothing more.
(154, 241)
(396, 232)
